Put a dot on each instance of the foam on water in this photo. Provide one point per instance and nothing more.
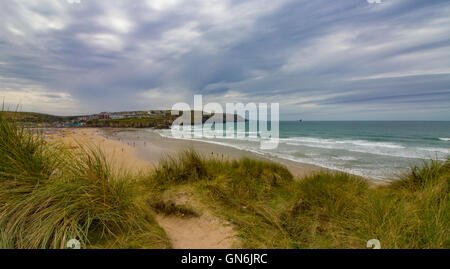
(376, 150)
(363, 143)
(363, 146)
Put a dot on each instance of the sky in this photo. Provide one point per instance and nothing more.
(319, 59)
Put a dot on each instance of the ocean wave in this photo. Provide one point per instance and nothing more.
(212, 142)
(437, 150)
(363, 143)
(285, 155)
(345, 158)
(325, 163)
(360, 146)
(342, 161)
(444, 139)
(368, 147)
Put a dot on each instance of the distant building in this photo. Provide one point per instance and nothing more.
(104, 116)
(120, 115)
(116, 116)
(84, 118)
(157, 112)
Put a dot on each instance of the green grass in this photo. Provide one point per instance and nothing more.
(169, 208)
(50, 194)
(32, 117)
(271, 209)
(163, 121)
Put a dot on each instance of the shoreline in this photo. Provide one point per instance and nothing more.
(151, 147)
(142, 149)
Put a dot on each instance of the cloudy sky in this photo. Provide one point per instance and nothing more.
(320, 59)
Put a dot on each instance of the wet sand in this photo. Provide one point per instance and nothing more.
(149, 146)
(141, 149)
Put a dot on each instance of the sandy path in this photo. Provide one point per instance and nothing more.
(203, 232)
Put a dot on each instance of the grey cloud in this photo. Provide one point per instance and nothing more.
(313, 57)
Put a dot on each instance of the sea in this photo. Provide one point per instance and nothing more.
(373, 149)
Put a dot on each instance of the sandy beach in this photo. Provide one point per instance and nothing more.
(120, 154)
(142, 149)
(150, 147)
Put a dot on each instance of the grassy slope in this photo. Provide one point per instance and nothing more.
(137, 122)
(49, 195)
(273, 210)
(155, 121)
(34, 117)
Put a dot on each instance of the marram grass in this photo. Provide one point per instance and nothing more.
(271, 209)
(49, 195)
